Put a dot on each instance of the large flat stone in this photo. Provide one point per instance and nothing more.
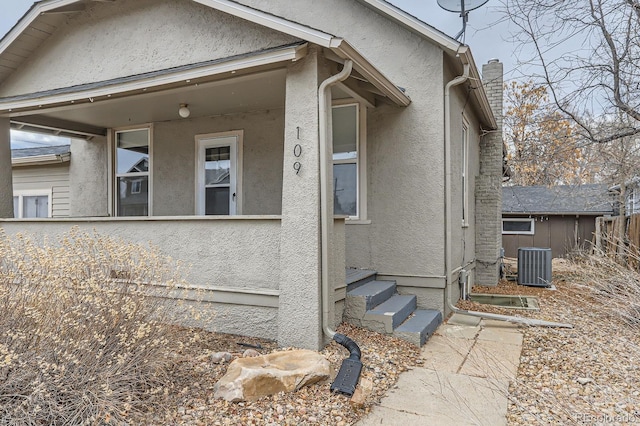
(388, 416)
(251, 378)
(445, 399)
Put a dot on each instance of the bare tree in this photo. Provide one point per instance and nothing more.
(588, 54)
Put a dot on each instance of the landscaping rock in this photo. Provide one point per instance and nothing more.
(220, 357)
(251, 378)
(249, 353)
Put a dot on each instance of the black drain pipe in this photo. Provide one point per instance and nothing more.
(347, 377)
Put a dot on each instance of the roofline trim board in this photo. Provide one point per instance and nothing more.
(41, 160)
(293, 53)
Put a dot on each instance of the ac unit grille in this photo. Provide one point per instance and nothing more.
(534, 266)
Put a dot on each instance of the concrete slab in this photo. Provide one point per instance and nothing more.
(461, 319)
(458, 331)
(445, 399)
(501, 335)
(493, 360)
(445, 354)
(388, 416)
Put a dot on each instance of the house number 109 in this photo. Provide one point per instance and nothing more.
(297, 152)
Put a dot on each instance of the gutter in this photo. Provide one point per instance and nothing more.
(41, 160)
(448, 228)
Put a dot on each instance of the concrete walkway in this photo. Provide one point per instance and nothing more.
(464, 380)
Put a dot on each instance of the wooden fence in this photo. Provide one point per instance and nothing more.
(619, 236)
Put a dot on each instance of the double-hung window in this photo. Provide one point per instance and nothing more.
(31, 204)
(132, 167)
(347, 161)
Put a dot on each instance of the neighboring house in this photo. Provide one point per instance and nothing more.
(270, 144)
(41, 181)
(562, 218)
(631, 197)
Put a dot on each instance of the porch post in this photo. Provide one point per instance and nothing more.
(6, 174)
(88, 178)
(299, 313)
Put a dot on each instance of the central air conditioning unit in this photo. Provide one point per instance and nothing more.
(534, 266)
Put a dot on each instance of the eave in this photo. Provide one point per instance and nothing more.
(41, 160)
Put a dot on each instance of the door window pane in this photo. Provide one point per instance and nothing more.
(132, 203)
(217, 165)
(345, 132)
(345, 193)
(217, 200)
(35, 206)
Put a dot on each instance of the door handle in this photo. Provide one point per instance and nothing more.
(233, 197)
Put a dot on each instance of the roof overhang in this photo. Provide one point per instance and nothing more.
(448, 44)
(41, 160)
(153, 81)
(169, 79)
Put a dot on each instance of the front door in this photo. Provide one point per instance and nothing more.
(217, 186)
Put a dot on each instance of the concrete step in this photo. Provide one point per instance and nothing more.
(367, 297)
(355, 278)
(388, 315)
(419, 327)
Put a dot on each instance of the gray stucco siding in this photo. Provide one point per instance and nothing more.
(129, 37)
(174, 161)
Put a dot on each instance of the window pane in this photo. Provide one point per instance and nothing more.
(516, 226)
(345, 132)
(131, 203)
(217, 165)
(35, 206)
(132, 151)
(345, 192)
(16, 206)
(217, 201)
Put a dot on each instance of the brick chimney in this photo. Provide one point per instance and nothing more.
(489, 184)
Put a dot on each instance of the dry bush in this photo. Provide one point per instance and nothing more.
(614, 286)
(79, 341)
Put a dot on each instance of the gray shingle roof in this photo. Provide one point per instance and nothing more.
(585, 199)
(36, 152)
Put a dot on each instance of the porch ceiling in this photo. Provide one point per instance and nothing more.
(259, 91)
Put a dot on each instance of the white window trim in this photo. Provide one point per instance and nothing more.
(199, 186)
(518, 219)
(113, 190)
(465, 172)
(361, 217)
(33, 193)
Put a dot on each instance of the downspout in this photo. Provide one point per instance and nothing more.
(447, 202)
(349, 373)
(325, 214)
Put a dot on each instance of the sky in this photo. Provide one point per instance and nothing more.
(487, 36)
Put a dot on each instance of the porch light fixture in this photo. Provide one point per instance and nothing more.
(184, 111)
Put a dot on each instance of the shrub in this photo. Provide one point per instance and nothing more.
(81, 341)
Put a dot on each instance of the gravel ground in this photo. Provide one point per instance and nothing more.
(192, 402)
(585, 375)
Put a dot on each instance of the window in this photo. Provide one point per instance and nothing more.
(28, 205)
(518, 226)
(219, 173)
(465, 172)
(132, 166)
(348, 170)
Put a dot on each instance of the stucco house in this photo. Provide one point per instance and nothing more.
(270, 144)
(562, 218)
(41, 181)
